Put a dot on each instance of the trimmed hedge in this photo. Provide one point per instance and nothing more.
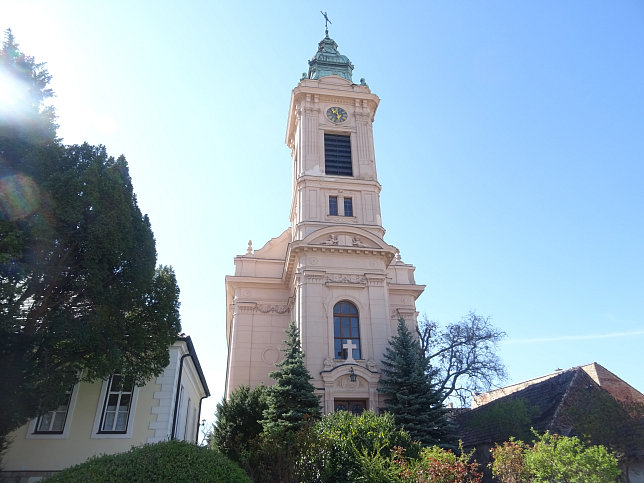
(166, 461)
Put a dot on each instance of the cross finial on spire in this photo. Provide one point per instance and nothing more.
(326, 22)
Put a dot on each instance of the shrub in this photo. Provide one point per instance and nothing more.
(167, 461)
(345, 447)
(275, 455)
(509, 462)
(554, 458)
(437, 465)
(238, 421)
(559, 458)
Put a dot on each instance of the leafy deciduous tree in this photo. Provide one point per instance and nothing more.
(410, 394)
(463, 356)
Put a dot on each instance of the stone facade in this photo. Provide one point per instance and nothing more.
(333, 252)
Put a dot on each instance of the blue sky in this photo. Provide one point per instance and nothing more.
(509, 144)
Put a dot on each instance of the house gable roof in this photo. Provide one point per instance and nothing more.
(577, 401)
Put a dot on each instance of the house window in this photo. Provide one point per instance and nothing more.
(53, 422)
(345, 328)
(177, 421)
(333, 205)
(117, 405)
(337, 155)
(348, 207)
(187, 424)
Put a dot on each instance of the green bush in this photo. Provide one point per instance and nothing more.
(239, 421)
(554, 458)
(438, 465)
(275, 456)
(168, 461)
(346, 448)
(509, 461)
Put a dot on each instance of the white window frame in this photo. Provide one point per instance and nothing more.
(31, 430)
(100, 409)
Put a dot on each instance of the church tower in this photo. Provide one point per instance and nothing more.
(331, 272)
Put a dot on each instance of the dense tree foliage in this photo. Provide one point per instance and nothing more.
(23, 93)
(80, 294)
(176, 461)
(238, 421)
(292, 402)
(463, 356)
(409, 392)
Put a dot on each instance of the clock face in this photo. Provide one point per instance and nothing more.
(336, 114)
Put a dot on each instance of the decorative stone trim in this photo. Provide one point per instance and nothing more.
(344, 240)
(271, 355)
(345, 383)
(405, 313)
(277, 308)
(251, 307)
(375, 280)
(314, 277)
(246, 308)
(348, 278)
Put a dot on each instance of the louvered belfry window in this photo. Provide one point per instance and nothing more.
(337, 155)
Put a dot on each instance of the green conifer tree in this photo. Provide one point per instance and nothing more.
(409, 393)
(292, 402)
(79, 291)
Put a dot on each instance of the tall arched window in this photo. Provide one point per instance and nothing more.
(345, 328)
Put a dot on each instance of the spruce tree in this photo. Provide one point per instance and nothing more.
(409, 393)
(292, 402)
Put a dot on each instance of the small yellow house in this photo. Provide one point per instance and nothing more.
(111, 417)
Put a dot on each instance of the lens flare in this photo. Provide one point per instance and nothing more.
(14, 96)
(19, 197)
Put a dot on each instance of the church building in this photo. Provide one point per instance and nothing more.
(331, 271)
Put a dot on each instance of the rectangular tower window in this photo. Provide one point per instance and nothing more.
(337, 155)
(333, 205)
(348, 207)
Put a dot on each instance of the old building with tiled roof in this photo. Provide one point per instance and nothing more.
(586, 401)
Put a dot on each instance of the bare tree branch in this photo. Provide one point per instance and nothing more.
(463, 355)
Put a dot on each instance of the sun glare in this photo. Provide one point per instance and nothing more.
(13, 96)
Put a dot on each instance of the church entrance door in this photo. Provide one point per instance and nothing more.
(355, 406)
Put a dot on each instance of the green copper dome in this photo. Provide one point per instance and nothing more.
(328, 61)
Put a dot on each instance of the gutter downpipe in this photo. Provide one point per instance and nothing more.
(199, 419)
(176, 397)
